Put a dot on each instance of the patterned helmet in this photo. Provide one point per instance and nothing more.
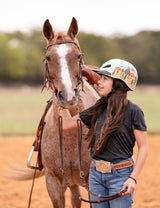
(120, 69)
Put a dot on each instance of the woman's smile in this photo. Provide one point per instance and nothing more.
(105, 85)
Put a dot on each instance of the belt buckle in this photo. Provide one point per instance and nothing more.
(103, 166)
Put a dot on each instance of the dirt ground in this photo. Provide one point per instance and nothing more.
(15, 194)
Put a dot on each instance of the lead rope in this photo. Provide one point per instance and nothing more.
(79, 126)
(31, 191)
(32, 186)
(61, 152)
(60, 141)
(35, 170)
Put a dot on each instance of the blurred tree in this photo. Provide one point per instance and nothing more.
(143, 51)
(22, 54)
(11, 60)
(96, 49)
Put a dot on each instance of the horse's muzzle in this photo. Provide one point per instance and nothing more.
(68, 99)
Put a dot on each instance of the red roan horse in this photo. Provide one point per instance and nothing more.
(63, 64)
(64, 56)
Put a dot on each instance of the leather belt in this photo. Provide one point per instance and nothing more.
(106, 167)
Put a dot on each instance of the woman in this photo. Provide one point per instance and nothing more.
(115, 124)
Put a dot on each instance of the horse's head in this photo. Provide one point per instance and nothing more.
(63, 59)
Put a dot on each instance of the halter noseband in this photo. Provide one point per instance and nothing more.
(47, 77)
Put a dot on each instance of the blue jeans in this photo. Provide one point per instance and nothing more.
(109, 184)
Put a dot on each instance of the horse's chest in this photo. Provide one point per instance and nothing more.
(53, 156)
(51, 147)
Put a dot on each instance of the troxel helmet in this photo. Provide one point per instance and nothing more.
(120, 69)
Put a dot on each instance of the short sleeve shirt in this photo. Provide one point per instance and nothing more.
(120, 145)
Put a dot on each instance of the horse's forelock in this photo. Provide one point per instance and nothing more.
(59, 37)
(62, 36)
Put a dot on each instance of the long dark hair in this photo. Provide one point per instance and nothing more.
(117, 104)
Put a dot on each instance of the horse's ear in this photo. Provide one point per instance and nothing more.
(48, 31)
(73, 29)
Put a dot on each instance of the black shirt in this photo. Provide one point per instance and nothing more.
(120, 145)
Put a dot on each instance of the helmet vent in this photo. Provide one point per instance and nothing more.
(109, 65)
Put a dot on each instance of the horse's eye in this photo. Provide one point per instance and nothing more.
(79, 56)
(48, 58)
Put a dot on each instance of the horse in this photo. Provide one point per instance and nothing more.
(70, 91)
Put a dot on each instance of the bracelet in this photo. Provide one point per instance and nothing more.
(133, 179)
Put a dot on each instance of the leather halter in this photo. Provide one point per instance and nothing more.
(47, 77)
(63, 42)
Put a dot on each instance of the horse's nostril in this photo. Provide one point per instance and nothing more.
(60, 95)
(76, 92)
(68, 97)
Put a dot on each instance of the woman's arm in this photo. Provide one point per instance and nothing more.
(142, 143)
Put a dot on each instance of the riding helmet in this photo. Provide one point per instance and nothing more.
(120, 69)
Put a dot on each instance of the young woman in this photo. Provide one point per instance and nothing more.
(115, 124)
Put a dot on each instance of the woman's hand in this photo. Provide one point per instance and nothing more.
(129, 186)
(65, 113)
(69, 122)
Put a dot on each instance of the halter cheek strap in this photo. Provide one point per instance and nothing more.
(48, 82)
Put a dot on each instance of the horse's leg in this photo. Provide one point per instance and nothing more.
(56, 190)
(76, 203)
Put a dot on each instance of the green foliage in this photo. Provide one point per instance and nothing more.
(97, 49)
(22, 54)
(11, 60)
(21, 57)
(143, 51)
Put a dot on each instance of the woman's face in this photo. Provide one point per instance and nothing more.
(105, 85)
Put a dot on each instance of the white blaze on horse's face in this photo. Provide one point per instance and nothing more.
(62, 51)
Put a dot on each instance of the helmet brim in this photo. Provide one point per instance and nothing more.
(102, 72)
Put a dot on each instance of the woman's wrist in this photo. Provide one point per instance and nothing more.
(133, 179)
